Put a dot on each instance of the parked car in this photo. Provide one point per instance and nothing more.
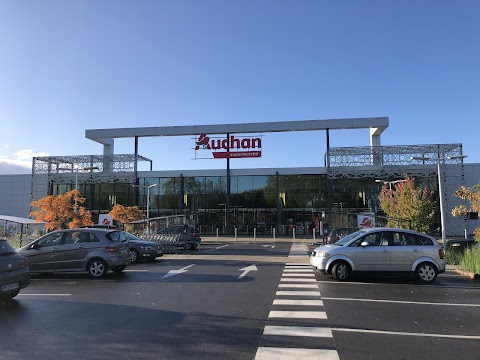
(14, 271)
(142, 249)
(380, 250)
(460, 244)
(85, 249)
(186, 234)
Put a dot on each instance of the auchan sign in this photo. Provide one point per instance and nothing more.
(231, 147)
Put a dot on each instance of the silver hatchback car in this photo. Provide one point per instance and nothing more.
(85, 249)
(380, 250)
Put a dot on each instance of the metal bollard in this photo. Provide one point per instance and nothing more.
(293, 231)
(254, 234)
(235, 234)
(274, 233)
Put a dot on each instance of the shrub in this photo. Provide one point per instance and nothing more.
(471, 260)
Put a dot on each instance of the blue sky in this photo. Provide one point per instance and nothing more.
(68, 66)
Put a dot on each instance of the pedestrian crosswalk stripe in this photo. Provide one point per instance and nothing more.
(297, 314)
(274, 353)
(305, 271)
(298, 293)
(310, 331)
(305, 302)
(303, 286)
(298, 275)
(291, 279)
(298, 264)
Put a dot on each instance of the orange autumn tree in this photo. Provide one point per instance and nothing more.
(126, 214)
(61, 211)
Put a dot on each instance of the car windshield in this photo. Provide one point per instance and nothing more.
(129, 236)
(347, 238)
(6, 249)
(116, 236)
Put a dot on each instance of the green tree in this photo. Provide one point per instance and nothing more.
(413, 204)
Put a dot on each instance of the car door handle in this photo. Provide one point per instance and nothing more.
(385, 250)
(54, 249)
(81, 247)
(415, 250)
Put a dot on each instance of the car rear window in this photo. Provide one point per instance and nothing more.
(5, 248)
(116, 236)
(422, 240)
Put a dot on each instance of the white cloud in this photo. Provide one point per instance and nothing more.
(28, 154)
(19, 162)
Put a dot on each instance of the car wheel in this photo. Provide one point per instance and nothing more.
(9, 295)
(97, 268)
(119, 269)
(341, 271)
(426, 273)
(135, 255)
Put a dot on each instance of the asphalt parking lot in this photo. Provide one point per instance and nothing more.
(213, 304)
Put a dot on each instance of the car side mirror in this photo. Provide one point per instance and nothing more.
(364, 243)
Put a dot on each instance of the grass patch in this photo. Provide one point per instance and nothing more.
(471, 260)
(453, 256)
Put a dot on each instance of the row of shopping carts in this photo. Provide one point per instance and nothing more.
(171, 243)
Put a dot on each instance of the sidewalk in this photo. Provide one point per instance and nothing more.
(263, 239)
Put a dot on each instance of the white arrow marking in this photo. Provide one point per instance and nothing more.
(246, 270)
(270, 246)
(175, 272)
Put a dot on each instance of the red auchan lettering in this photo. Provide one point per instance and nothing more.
(232, 145)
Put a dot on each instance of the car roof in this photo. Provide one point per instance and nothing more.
(375, 229)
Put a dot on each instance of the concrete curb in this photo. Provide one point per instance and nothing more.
(469, 274)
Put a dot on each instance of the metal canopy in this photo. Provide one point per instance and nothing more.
(106, 136)
(18, 220)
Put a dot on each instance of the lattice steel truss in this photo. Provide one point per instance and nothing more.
(395, 162)
(83, 169)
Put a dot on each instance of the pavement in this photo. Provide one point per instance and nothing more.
(262, 239)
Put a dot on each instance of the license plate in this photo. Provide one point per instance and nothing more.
(10, 287)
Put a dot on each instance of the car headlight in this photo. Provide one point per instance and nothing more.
(323, 254)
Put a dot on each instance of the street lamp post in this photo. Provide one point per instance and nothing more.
(223, 204)
(148, 196)
(76, 169)
(439, 179)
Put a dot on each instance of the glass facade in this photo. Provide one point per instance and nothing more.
(305, 203)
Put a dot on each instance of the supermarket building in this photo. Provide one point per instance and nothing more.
(307, 199)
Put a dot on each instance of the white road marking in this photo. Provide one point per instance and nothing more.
(274, 353)
(309, 331)
(305, 271)
(135, 270)
(298, 293)
(21, 294)
(298, 302)
(297, 264)
(430, 286)
(298, 275)
(246, 270)
(469, 337)
(401, 302)
(220, 247)
(305, 286)
(297, 314)
(291, 279)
